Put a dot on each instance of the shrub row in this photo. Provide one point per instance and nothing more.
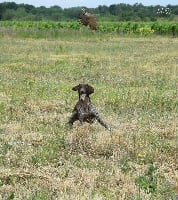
(128, 28)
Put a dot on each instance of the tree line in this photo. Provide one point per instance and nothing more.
(115, 12)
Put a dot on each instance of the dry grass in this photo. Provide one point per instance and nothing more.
(135, 80)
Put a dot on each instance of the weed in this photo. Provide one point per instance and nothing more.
(148, 181)
(39, 195)
(124, 163)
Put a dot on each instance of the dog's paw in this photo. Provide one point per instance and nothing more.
(108, 128)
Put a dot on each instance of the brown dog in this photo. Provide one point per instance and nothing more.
(84, 111)
(87, 19)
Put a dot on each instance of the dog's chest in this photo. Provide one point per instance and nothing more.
(85, 112)
(84, 107)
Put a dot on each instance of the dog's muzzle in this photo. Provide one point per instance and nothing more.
(82, 97)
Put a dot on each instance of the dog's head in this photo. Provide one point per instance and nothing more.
(83, 11)
(83, 90)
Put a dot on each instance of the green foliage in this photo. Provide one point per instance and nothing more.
(39, 195)
(12, 196)
(148, 181)
(45, 28)
(153, 183)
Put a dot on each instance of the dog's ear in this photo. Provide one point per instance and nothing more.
(76, 87)
(90, 89)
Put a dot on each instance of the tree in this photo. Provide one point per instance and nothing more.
(56, 13)
(9, 14)
(103, 10)
(115, 12)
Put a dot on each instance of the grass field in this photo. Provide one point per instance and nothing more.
(136, 92)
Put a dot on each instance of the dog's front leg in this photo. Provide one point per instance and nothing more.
(81, 118)
(102, 122)
(96, 115)
(73, 117)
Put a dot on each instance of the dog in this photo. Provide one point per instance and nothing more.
(87, 19)
(84, 111)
